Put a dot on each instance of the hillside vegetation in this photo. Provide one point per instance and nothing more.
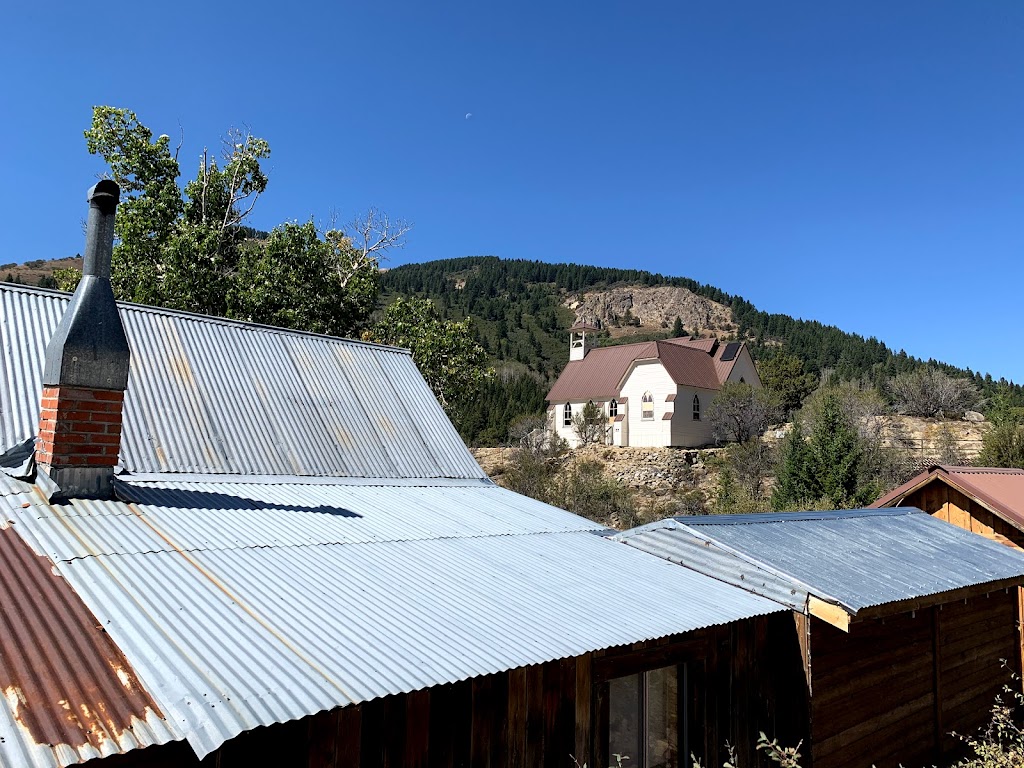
(521, 310)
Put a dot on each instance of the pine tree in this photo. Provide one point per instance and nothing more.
(677, 328)
(795, 480)
(836, 451)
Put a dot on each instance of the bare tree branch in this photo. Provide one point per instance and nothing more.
(376, 232)
(206, 182)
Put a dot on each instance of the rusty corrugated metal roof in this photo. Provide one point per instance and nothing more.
(69, 693)
(339, 544)
(999, 490)
(598, 375)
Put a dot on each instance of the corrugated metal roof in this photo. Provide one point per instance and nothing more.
(217, 396)
(598, 375)
(718, 352)
(999, 490)
(241, 604)
(855, 558)
(69, 693)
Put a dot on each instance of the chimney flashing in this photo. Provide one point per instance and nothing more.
(89, 347)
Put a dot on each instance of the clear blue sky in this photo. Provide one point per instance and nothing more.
(857, 163)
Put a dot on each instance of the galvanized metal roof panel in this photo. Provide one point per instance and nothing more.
(667, 540)
(856, 558)
(214, 396)
(247, 605)
(185, 516)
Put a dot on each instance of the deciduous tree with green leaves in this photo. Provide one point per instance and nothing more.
(187, 247)
(446, 353)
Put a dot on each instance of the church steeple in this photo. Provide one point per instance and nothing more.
(581, 340)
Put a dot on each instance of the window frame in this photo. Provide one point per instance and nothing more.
(696, 407)
(685, 714)
(647, 407)
(613, 408)
(567, 415)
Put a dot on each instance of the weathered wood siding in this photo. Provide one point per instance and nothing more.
(946, 503)
(973, 638)
(872, 693)
(890, 692)
(542, 715)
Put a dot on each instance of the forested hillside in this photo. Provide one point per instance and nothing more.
(520, 314)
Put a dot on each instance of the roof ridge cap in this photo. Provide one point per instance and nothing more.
(213, 319)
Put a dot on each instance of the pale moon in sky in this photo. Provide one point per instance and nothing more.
(469, 115)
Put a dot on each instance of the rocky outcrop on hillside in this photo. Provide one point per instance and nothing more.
(662, 481)
(654, 307)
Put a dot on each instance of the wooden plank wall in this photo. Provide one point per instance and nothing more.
(891, 691)
(939, 500)
(973, 638)
(946, 503)
(873, 700)
(542, 715)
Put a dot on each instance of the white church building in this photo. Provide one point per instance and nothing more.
(652, 393)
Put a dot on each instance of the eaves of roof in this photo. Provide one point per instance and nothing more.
(987, 486)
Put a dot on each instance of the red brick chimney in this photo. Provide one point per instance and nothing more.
(86, 371)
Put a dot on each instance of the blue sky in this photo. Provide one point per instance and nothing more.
(856, 163)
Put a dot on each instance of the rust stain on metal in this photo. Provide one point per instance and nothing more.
(63, 678)
(342, 436)
(182, 369)
(386, 425)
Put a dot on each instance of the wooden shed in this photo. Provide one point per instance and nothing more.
(900, 645)
(656, 702)
(985, 500)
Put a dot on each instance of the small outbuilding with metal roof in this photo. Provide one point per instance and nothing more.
(902, 619)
